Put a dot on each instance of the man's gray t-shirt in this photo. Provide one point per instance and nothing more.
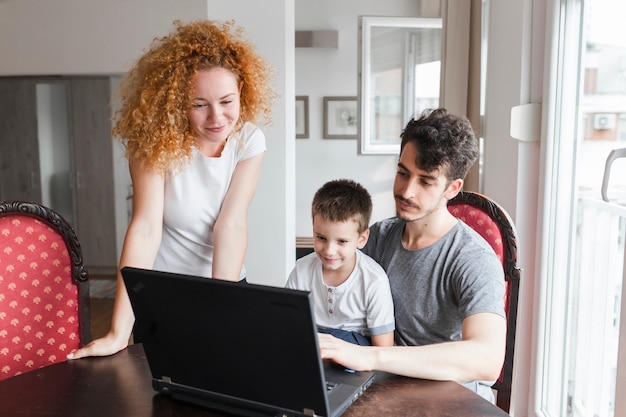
(436, 287)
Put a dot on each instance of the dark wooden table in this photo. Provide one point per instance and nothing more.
(120, 386)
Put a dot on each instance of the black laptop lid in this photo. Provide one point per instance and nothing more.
(219, 337)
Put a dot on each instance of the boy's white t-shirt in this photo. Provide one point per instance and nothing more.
(193, 199)
(362, 303)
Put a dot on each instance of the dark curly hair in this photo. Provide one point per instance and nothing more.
(152, 122)
(342, 200)
(442, 140)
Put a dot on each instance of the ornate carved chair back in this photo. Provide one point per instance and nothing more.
(44, 289)
(494, 224)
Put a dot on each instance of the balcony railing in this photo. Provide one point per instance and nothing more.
(595, 300)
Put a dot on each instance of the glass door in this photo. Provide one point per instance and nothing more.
(585, 257)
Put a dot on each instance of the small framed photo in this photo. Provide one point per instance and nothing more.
(302, 117)
(340, 117)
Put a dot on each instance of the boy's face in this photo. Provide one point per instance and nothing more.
(335, 243)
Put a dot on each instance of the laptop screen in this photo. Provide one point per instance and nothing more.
(229, 340)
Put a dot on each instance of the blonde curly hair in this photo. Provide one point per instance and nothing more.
(152, 122)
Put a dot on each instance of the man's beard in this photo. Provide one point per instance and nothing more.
(407, 218)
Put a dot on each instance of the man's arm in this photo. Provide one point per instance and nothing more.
(478, 356)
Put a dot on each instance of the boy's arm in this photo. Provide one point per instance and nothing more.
(385, 339)
(380, 311)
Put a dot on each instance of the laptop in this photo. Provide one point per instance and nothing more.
(244, 349)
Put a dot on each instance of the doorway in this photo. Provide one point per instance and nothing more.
(56, 150)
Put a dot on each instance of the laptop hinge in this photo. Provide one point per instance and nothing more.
(309, 412)
(166, 379)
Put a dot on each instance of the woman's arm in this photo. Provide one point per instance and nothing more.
(231, 226)
(141, 243)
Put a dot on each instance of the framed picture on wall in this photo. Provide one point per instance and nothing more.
(340, 117)
(302, 117)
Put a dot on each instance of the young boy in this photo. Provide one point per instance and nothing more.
(350, 290)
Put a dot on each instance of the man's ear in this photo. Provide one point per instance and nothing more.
(363, 237)
(453, 189)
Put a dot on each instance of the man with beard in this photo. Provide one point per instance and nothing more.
(447, 283)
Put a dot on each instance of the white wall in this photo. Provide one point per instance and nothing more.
(84, 37)
(511, 168)
(333, 72)
(74, 37)
(271, 250)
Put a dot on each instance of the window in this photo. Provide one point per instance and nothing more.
(584, 263)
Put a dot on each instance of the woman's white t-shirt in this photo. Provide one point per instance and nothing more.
(193, 199)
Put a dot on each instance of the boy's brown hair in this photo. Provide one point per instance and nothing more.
(342, 200)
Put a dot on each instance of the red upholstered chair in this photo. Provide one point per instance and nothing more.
(44, 289)
(494, 224)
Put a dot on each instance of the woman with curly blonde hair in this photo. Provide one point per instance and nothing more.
(186, 121)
